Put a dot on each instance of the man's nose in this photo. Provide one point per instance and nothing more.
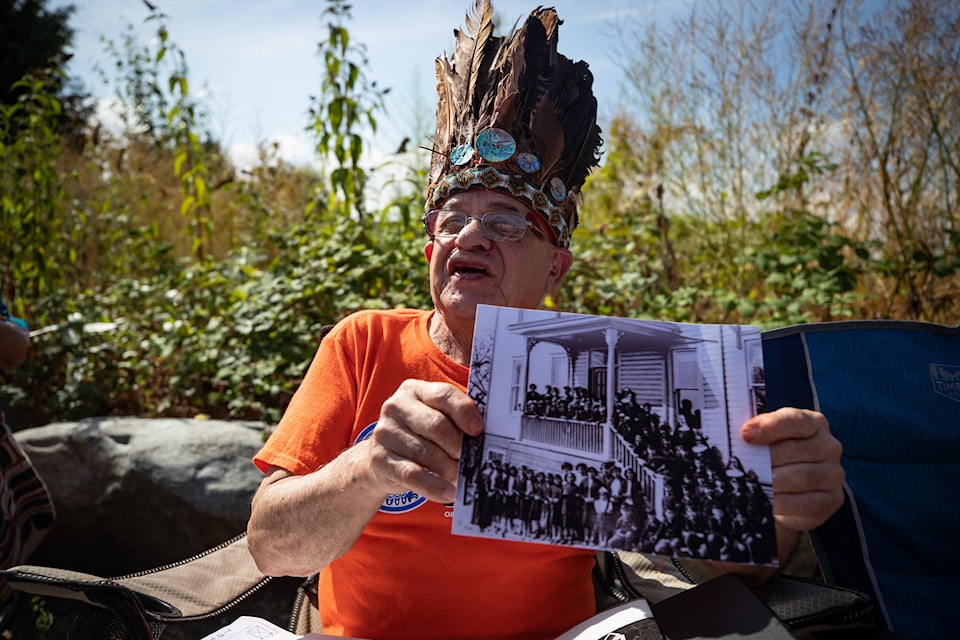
(472, 219)
(472, 234)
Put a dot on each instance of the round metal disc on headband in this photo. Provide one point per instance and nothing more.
(528, 162)
(495, 145)
(461, 155)
(558, 190)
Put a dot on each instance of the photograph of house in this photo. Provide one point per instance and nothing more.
(617, 433)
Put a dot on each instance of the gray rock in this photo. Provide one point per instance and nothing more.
(132, 494)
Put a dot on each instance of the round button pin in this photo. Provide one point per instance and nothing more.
(496, 145)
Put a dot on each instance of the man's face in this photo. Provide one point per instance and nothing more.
(469, 269)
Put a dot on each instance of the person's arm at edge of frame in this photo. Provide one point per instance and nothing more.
(299, 524)
(14, 344)
(807, 479)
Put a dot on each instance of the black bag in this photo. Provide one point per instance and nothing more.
(805, 606)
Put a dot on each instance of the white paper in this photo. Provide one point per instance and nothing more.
(607, 622)
(251, 628)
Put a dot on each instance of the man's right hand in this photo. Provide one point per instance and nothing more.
(416, 443)
(300, 523)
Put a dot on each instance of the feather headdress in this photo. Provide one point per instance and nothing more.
(516, 116)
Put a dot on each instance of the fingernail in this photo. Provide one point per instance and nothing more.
(750, 434)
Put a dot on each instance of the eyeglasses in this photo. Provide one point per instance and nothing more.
(498, 226)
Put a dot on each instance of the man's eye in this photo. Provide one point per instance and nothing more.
(450, 223)
(506, 223)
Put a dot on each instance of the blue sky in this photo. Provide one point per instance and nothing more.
(256, 62)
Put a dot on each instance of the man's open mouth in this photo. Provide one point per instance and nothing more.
(466, 269)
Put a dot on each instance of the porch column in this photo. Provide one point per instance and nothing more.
(612, 337)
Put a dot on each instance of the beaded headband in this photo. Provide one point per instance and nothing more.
(515, 116)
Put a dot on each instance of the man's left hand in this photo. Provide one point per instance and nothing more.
(807, 476)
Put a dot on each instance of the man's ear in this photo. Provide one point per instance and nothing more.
(562, 261)
(428, 250)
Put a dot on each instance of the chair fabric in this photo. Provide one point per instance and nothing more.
(891, 391)
(196, 588)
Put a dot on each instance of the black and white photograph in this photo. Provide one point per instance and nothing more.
(617, 434)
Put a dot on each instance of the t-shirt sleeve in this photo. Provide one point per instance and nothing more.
(319, 420)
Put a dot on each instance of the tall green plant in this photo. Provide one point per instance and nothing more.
(36, 254)
(190, 165)
(154, 90)
(347, 106)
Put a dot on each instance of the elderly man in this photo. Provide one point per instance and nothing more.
(360, 471)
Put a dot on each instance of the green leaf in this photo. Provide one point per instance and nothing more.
(178, 163)
(187, 205)
(201, 187)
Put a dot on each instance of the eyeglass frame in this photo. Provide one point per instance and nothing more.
(530, 225)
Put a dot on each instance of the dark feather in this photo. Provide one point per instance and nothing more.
(535, 69)
(470, 62)
(547, 136)
(446, 117)
(583, 141)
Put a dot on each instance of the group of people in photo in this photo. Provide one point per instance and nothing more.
(572, 403)
(710, 507)
(579, 504)
(653, 438)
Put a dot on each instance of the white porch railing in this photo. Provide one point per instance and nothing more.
(582, 437)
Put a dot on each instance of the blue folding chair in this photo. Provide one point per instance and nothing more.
(891, 391)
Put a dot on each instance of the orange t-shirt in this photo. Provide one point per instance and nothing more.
(408, 576)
